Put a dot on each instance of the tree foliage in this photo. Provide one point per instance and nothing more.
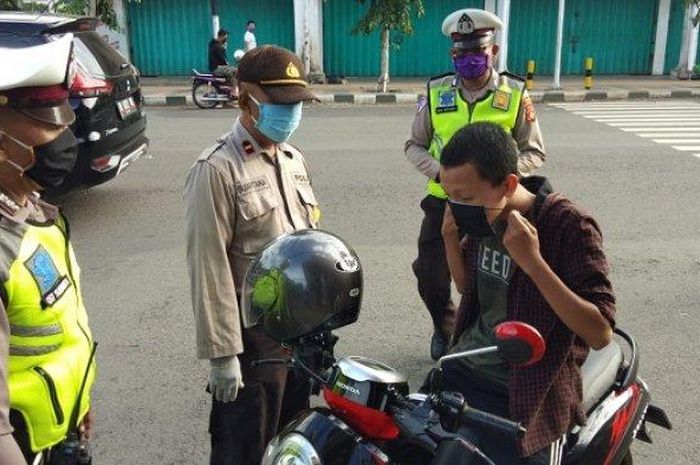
(393, 15)
(393, 19)
(104, 9)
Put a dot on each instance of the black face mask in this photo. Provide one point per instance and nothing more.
(471, 220)
(54, 160)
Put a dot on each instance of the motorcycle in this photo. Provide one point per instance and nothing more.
(208, 91)
(370, 417)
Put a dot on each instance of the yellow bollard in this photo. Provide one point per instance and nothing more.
(588, 76)
(529, 82)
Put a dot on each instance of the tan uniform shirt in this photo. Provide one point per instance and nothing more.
(526, 133)
(237, 199)
(39, 212)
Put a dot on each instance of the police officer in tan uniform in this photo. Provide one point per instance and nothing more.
(249, 188)
(474, 92)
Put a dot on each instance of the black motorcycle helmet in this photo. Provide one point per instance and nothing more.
(301, 284)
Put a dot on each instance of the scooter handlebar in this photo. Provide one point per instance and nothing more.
(454, 412)
(478, 418)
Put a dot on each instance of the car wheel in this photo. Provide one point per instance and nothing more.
(202, 90)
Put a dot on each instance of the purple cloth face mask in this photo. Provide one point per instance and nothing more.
(471, 66)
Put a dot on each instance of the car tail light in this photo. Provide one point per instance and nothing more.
(371, 423)
(88, 86)
(105, 163)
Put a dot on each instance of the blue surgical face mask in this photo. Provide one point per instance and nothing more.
(277, 122)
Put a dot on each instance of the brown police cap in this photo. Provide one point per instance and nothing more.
(278, 71)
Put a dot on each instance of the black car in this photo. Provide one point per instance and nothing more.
(105, 94)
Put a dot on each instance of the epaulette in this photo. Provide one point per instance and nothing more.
(440, 76)
(513, 76)
(294, 149)
(209, 151)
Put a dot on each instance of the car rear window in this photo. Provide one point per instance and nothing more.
(97, 56)
(18, 35)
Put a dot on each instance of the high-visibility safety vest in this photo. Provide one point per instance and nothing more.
(449, 112)
(50, 342)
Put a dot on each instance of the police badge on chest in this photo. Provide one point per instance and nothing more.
(447, 101)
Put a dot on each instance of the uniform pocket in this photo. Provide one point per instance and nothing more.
(308, 198)
(256, 204)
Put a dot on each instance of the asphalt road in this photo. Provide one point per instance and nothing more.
(149, 400)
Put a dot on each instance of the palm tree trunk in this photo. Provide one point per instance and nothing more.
(384, 74)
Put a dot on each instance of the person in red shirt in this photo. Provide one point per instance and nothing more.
(517, 251)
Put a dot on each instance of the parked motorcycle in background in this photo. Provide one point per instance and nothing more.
(208, 91)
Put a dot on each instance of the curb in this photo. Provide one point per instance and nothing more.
(537, 96)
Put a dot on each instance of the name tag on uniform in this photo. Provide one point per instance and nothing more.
(301, 178)
(256, 185)
(501, 100)
(447, 101)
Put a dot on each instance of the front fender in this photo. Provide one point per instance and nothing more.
(335, 442)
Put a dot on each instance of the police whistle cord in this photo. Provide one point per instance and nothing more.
(76, 408)
(71, 450)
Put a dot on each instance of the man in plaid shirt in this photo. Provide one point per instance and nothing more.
(517, 251)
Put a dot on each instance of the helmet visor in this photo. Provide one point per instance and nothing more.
(262, 295)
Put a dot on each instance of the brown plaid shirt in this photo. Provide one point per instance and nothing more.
(546, 397)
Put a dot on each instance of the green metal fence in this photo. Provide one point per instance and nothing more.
(170, 37)
(618, 34)
(424, 53)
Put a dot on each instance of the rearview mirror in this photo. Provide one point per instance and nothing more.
(519, 343)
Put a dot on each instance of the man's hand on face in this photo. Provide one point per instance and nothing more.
(522, 243)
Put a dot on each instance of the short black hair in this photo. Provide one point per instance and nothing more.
(250, 21)
(488, 147)
(221, 33)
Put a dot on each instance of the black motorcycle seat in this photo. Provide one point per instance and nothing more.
(599, 372)
(207, 75)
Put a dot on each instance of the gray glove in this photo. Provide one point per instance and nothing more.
(225, 378)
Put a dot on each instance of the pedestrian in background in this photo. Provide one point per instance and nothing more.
(475, 91)
(249, 188)
(249, 42)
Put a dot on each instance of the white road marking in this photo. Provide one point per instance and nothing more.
(677, 141)
(674, 124)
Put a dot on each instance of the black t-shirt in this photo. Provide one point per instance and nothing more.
(217, 54)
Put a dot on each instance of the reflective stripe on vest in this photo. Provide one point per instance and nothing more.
(50, 341)
(449, 112)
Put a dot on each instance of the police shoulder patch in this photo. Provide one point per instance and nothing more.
(48, 279)
(529, 108)
(422, 102)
